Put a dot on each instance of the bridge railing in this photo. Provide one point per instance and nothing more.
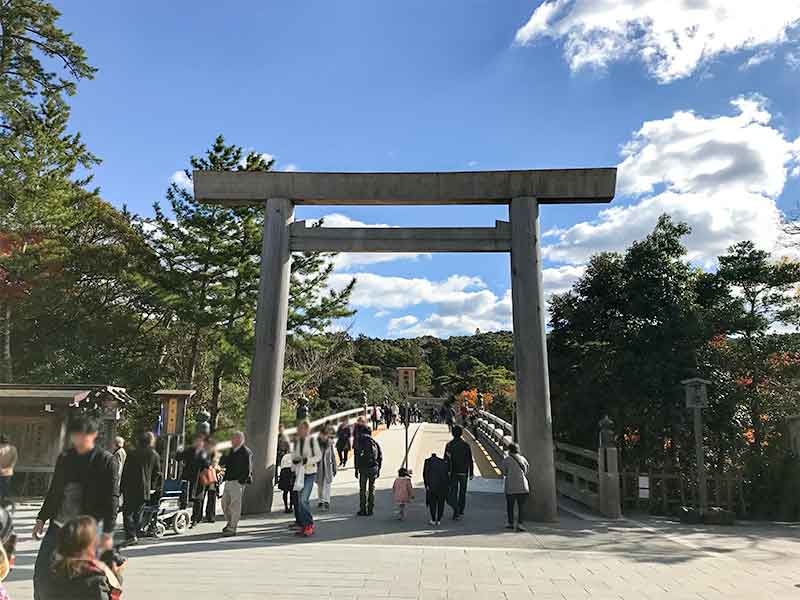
(334, 420)
(587, 476)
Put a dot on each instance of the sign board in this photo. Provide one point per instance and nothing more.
(696, 395)
(174, 413)
(644, 487)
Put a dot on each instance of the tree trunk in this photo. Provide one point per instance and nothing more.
(216, 390)
(195, 353)
(6, 371)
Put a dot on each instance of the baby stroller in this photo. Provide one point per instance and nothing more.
(169, 512)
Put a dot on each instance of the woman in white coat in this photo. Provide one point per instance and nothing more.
(306, 455)
(326, 469)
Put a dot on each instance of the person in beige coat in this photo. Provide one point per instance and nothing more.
(8, 460)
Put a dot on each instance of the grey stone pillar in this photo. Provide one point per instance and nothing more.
(266, 375)
(534, 420)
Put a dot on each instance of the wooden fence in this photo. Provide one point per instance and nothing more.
(665, 492)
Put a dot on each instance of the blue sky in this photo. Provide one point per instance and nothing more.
(698, 102)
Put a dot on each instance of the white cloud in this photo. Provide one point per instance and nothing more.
(793, 59)
(472, 163)
(460, 304)
(672, 37)
(760, 57)
(181, 179)
(347, 260)
(402, 322)
(722, 175)
(290, 167)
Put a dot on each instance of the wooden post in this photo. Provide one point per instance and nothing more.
(266, 375)
(700, 457)
(534, 420)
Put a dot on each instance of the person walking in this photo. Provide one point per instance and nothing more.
(435, 475)
(77, 572)
(212, 490)
(306, 454)
(140, 475)
(195, 459)
(284, 448)
(8, 460)
(515, 469)
(358, 429)
(238, 465)
(326, 470)
(395, 413)
(119, 453)
(85, 482)
(458, 455)
(343, 443)
(402, 492)
(369, 459)
(286, 479)
(376, 417)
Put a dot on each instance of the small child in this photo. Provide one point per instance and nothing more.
(402, 492)
(286, 482)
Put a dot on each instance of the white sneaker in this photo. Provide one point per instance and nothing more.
(432, 523)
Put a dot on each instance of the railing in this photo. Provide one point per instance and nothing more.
(347, 416)
(664, 492)
(586, 476)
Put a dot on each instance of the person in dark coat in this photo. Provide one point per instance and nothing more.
(458, 455)
(368, 459)
(343, 443)
(140, 474)
(85, 482)
(437, 483)
(195, 459)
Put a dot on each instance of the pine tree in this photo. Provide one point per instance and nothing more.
(39, 189)
(209, 258)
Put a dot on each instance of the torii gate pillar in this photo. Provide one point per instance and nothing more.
(534, 419)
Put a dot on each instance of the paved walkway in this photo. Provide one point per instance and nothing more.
(380, 557)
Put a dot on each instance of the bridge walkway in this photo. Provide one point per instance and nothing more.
(380, 557)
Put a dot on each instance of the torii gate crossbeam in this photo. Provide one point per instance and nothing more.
(522, 191)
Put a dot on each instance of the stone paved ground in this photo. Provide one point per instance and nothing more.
(380, 557)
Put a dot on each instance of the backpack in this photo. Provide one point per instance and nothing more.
(367, 453)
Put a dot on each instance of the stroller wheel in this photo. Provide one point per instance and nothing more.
(159, 530)
(181, 522)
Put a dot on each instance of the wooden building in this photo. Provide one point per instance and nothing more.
(35, 418)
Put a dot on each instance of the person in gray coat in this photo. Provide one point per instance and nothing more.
(515, 470)
(326, 469)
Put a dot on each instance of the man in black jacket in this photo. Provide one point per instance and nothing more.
(458, 455)
(85, 482)
(368, 461)
(140, 474)
(238, 465)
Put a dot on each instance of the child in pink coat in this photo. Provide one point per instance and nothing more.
(402, 492)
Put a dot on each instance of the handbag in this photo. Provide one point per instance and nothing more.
(207, 476)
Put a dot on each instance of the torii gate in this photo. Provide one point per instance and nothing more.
(522, 191)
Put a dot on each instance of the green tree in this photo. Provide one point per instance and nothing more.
(209, 260)
(38, 158)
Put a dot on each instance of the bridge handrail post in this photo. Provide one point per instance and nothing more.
(608, 485)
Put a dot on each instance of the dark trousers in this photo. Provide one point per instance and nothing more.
(366, 492)
(294, 503)
(43, 561)
(459, 482)
(436, 506)
(211, 504)
(519, 499)
(5, 487)
(343, 453)
(288, 500)
(131, 510)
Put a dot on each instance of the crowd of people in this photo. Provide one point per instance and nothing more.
(77, 556)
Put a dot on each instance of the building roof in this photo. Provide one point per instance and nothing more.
(66, 393)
